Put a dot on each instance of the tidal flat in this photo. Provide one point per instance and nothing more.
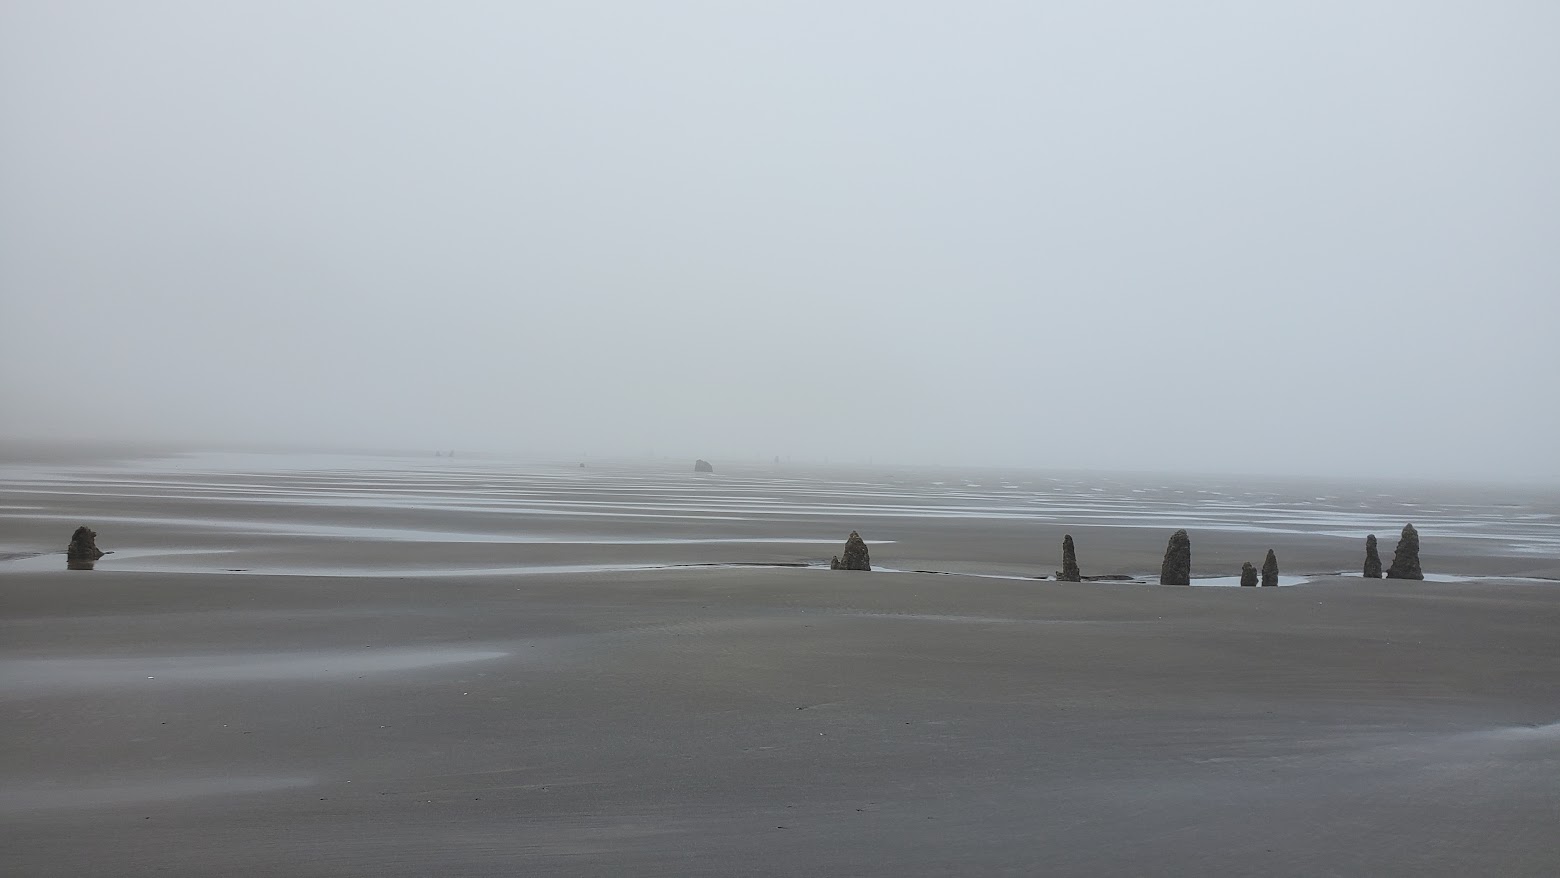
(382, 665)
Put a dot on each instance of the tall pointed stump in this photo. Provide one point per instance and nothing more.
(1372, 558)
(1069, 571)
(1177, 569)
(1405, 559)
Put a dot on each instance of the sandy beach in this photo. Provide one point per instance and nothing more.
(297, 665)
(487, 411)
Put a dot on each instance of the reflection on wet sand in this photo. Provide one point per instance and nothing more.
(56, 673)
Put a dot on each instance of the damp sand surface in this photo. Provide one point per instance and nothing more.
(168, 717)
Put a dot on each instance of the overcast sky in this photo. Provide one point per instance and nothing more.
(1279, 237)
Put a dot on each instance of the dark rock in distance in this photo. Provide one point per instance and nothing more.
(1248, 575)
(1177, 569)
(83, 549)
(1372, 558)
(1270, 570)
(702, 466)
(856, 556)
(1069, 571)
(1405, 559)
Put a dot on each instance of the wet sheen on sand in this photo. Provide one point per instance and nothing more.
(330, 665)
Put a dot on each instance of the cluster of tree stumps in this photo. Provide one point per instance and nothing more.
(1176, 569)
(1249, 576)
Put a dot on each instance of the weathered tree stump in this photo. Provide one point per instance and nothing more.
(1177, 568)
(1372, 558)
(82, 551)
(856, 556)
(1405, 559)
(1069, 571)
(1270, 570)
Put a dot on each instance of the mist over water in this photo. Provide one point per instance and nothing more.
(1283, 238)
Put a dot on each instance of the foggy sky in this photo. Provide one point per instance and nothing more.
(1273, 237)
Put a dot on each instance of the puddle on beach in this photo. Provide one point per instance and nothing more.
(194, 561)
(1283, 580)
(1453, 577)
(125, 559)
(1537, 735)
(64, 673)
(1143, 579)
(54, 795)
(1477, 752)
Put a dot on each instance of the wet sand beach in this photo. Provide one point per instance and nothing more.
(387, 666)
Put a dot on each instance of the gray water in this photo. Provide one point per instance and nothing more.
(238, 502)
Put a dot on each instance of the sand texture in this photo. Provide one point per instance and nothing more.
(375, 666)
